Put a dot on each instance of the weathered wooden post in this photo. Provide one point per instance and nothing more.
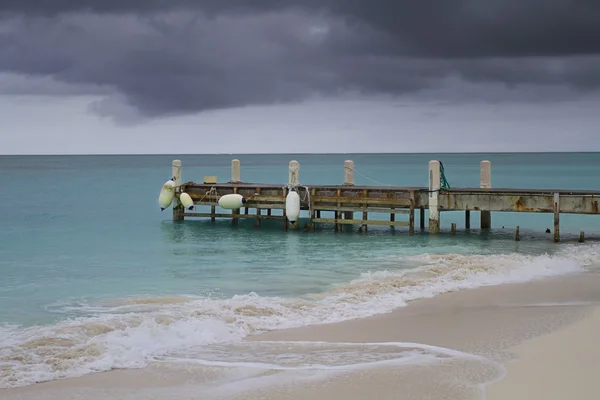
(365, 214)
(485, 172)
(293, 182)
(517, 236)
(467, 219)
(348, 173)
(338, 214)
(434, 187)
(235, 212)
(348, 181)
(411, 217)
(235, 171)
(178, 209)
(581, 237)
(485, 183)
(422, 218)
(294, 173)
(258, 211)
(313, 193)
(285, 221)
(556, 217)
(453, 228)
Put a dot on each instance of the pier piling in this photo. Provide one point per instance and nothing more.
(178, 209)
(517, 237)
(556, 217)
(485, 172)
(348, 181)
(434, 187)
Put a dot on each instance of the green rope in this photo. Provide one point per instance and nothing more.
(444, 185)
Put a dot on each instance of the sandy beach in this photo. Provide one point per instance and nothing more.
(535, 340)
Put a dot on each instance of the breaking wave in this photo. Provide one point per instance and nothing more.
(130, 333)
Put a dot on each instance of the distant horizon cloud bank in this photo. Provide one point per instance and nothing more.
(64, 125)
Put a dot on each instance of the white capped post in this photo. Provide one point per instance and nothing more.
(434, 186)
(235, 171)
(349, 173)
(294, 173)
(176, 172)
(485, 178)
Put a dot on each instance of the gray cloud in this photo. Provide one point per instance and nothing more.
(178, 57)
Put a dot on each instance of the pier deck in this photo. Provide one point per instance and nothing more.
(345, 200)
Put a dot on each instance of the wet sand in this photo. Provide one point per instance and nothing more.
(529, 339)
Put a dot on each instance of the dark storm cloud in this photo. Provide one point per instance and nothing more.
(170, 57)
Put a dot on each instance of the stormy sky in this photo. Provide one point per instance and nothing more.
(103, 76)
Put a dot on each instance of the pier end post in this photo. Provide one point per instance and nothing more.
(294, 173)
(485, 178)
(235, 171)
(434, 186)
(177, 206)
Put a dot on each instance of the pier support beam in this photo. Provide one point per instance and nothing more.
(178, 209)
(556, 217)
(485, 172)
(235, 171)
(434, 186)
(468, 219)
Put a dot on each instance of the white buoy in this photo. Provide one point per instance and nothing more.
(186, 200)
(232, 201)
(292, 206)
(167, 193)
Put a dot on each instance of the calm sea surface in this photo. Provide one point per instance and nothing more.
(88, 260)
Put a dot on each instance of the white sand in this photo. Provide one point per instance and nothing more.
(561, 365)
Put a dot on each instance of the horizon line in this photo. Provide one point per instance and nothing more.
(294, 153)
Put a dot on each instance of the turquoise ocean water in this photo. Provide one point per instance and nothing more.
(94, 276)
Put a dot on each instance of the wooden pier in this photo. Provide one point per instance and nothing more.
(348, 204)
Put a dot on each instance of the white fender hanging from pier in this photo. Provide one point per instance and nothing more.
(167, 193)
(232, 201)
(186, 200)
(292, 206)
